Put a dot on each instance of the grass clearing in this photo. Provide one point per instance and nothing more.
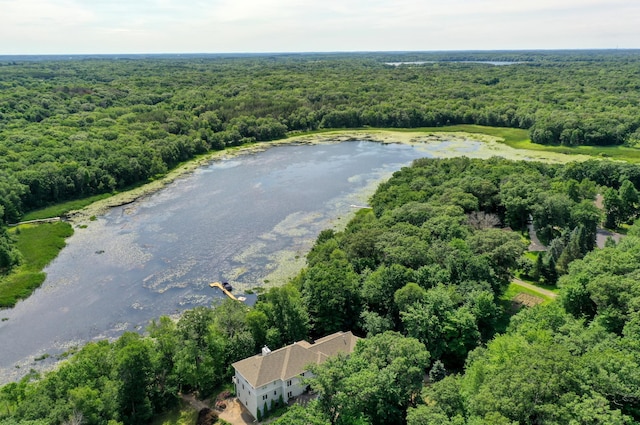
(179, 415)
(620, 153)
(511, 302)
(514, 289)
(552, 288)
(39, 244)
(59, 210)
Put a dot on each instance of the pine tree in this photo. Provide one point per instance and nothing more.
(549, 272)
(572, 251)
(437, 372)
(613, 207)
(628, 201)
(537, 268)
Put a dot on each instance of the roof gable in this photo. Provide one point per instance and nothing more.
(336, 343)
(292, 360)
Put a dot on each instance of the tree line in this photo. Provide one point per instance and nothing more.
(420, 275)
(73, 129)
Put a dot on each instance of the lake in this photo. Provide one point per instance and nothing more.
(248, 219)
(494, 63)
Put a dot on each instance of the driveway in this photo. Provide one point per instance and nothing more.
(235, 413)
(602, 235)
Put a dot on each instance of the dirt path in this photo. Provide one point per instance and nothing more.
(536, 289)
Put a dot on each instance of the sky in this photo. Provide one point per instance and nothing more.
(227, 26)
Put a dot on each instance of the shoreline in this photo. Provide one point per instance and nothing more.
(290, 262)
(79, 217)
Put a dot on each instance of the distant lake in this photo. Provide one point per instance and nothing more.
(496, 63)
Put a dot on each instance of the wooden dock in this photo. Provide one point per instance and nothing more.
(227, 293)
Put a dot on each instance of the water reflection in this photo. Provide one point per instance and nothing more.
(244, 220)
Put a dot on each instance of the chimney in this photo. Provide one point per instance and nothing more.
(265, 351)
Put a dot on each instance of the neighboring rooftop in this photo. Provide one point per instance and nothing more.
(292, 360)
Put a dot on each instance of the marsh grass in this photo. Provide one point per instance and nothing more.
(59, 210)
(510, 135)
(519, 139)
(38, 245)
(516, 138)
(38, 251)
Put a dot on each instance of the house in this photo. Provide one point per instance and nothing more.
(270, 375)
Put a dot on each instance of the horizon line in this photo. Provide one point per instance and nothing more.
(327, 52)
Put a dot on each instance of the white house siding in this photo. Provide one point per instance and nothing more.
(295, 389)
(254, 399)
(271, 369)
(246, 394)
(267, 393)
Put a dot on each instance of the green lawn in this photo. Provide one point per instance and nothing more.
(514, 289)
(506, 301)
(38, 244)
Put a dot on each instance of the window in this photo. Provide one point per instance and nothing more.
(266, 396)
(289, 394)
(289, 383)
(274, 393)
(243, 386)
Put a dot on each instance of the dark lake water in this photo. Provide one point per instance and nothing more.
(245, 219)
(495, 63)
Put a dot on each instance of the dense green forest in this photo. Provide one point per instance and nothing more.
(74, 128)
(70, 129)
(421, 275)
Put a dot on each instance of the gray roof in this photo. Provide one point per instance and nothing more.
(290, 361)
